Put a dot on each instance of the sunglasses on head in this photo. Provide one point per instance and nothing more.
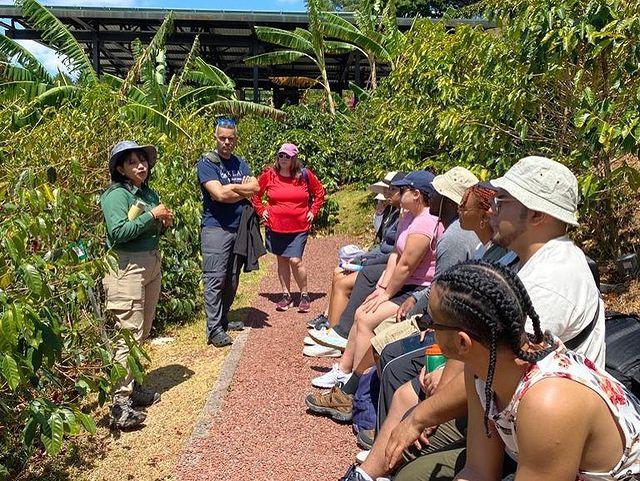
(225, 122)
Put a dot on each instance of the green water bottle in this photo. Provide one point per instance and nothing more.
(433, 358)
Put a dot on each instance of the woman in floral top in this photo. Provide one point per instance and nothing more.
(558, 415)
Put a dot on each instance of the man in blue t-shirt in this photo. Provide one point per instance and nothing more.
(226, 183)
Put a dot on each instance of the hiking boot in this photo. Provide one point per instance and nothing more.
(220, 339)
(353, 475)
(365, 438)
(331, 378)
(335, 404)
(318, 322)
(305, 303)
(285, 303)
(141, 397)
(124, 417)
(235, 326)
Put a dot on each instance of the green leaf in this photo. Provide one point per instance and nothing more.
(275, 58)
(134, 368)
(86, 421)
(140, 112)
(32, 278)
(58, 37)
(10, 371)
(284, 38)
(52, 434)
(31, 64)
(240, 108)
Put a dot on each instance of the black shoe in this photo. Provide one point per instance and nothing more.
(235, 326)
(141, 397)
(220, 339)
(319, 322)
(124, 417)
(352, 475)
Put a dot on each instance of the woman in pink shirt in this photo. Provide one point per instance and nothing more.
(410, 268)
(294, 198)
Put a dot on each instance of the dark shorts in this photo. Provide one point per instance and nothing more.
(404, 293)
(286, 245)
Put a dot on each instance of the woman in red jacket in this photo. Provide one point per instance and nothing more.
(294, 198)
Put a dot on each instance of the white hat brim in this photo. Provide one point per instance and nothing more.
(534, 202)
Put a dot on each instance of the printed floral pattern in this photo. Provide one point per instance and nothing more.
(570, 365)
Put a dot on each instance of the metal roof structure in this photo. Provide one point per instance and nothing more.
(226, 39)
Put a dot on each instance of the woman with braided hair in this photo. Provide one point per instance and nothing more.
(554, 412)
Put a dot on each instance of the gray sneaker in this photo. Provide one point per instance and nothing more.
(124, 417)
(220, 339)
(141, 397)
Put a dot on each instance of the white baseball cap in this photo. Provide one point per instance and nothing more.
(543, 185)
(453, 183)
(380, 186)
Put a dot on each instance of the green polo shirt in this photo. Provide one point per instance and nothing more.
(140, 234)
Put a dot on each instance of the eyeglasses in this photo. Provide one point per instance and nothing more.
(496, 201)
(225, 122)
(283, 156)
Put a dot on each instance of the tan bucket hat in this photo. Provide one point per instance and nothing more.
(453, 183)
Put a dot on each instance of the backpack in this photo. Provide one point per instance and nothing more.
(623, 349)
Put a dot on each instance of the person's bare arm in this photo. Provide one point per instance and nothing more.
(447, 403)
(552, 450)
(415, 249)
(222, 193)
(484, 455)
(248, 187)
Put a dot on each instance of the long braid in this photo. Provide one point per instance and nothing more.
(494, 303)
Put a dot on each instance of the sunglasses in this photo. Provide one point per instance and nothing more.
(497, 201)
(282, 155)
(225, 122)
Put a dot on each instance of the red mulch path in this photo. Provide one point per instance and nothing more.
(263, 431)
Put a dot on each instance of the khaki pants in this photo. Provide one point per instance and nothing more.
(132, 294)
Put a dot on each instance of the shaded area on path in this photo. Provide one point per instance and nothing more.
(263, 431)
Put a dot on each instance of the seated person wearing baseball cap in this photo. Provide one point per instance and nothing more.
(343, 283)
(410, 268)
(535, 204)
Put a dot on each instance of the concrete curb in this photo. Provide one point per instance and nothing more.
(215, 401)
(216, 396)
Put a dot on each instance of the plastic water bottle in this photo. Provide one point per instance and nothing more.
(433, 358)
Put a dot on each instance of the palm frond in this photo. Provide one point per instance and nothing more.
(306, 34)
(145, 56)
(151, 116)
(205, 74)
(15, 73)
(204, 95)
(336, 47)
(240, 108)
(56, 35)
(13, 50)
(23, 89)
(284, 38)
(359, 92)
(115, 83)
(366, 44)
(276, 58)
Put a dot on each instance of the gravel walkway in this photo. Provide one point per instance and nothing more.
(263, 431)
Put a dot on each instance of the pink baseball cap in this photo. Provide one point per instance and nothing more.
(290, 149)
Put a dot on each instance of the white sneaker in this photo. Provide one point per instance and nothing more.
(309, 342)
(331, 378)
(320, 351)
(328, 337)
(361, 457)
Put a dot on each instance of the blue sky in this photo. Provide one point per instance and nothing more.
(53, 63)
